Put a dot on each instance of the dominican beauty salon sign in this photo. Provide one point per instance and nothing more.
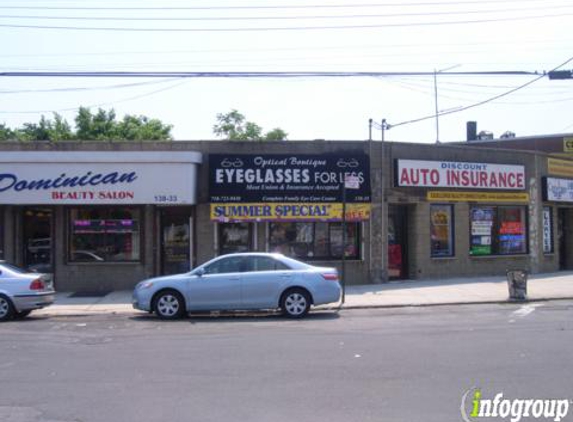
(89, 177)
(455, 174)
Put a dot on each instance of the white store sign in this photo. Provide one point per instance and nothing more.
(454, 174)
(94, 178)
(558, 190)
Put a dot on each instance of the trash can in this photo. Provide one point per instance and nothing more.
(517, 284)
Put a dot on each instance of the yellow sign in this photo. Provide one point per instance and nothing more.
(478, 196)
(288, 212)
(567, 144)
(560, 167)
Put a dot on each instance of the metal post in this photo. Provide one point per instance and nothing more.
(436, 105)
(344, 239)
(370, 121)
(383, 207)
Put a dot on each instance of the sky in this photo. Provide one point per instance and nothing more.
(429, 36)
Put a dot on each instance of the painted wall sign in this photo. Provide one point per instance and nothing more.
(557, 190)
(95, 178)
(286, 178)
(477, 196)
(557, 167)
(567, 144)
(450, 174)
(288, 212)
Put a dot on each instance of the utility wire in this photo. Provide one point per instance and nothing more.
(309, 6)
(185, 74)
(480, 103)
(297, 17)
(292, 28)
(84, 88)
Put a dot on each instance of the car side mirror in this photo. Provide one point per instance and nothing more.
(200, 272)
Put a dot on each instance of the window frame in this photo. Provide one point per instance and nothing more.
(140, 234)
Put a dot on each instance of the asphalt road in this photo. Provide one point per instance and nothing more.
(406, 364)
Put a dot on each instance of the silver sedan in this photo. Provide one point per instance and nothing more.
(244, 281)
(22, 291)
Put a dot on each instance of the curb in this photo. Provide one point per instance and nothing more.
(77, 313)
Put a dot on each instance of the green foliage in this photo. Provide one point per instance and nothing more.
(234, 127)
(101, 126)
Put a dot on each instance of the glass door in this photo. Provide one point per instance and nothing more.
(37, 239)
(176, 227)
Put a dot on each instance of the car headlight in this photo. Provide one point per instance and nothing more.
(145, 284)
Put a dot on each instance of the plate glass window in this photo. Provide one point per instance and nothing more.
(441, 230)
(498, 230)
(105, 234)
(315, 240)
(235, 237)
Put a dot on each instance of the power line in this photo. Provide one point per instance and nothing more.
(480, 103)
(187, 74)
(274, 7)
(291, 28)
(297, 17)
(133, 98)
(84, 88)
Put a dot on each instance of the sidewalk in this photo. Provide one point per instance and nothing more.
(395, 294)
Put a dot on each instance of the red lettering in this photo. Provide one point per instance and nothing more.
(520, 183)
(435, 177)
(483, 178)
(404, 180)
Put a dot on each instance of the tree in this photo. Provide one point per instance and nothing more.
(101, 126)
(234, 127)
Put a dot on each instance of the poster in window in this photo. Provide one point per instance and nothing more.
(481, 231)
(441, 230)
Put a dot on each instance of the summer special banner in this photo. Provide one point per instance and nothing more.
(289, 212)
(286, 178)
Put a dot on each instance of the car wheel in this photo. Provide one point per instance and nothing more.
(295, 303)
(22, 314)
(6, 308)
(169, 304)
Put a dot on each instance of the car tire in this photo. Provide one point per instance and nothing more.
(295, 303)
(169, 304)
(22, 314)
(6, 308)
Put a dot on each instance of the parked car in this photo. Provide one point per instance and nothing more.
(242, 281)
(22, 291)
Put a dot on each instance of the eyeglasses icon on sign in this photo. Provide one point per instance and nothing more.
(226, 163)
(353, 163)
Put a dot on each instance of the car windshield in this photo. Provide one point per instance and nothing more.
(13, 268)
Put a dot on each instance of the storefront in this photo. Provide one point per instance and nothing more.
(296, 204)
(101, 216)
(93, 219)
(473, 212)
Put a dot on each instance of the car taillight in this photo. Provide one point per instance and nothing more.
(37, 284)
(330, 276)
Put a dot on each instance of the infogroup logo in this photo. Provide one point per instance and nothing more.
(474, 407)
